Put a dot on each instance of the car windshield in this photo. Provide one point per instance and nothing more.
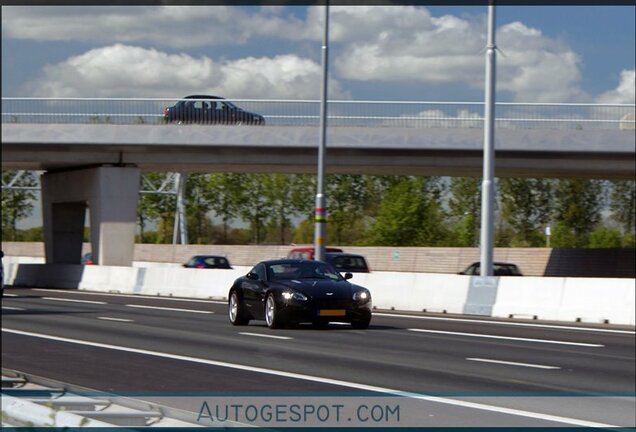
(302, 270)
(506, 270)
(228, 105)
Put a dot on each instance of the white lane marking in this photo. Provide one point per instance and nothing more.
(115, 319)
(507, 338)
(12, 308)
(468, 320)
(265, 335)
(357, 386)
(9, 295)
(530, 365)
(168, 308)
(74, 300)
(139, 296)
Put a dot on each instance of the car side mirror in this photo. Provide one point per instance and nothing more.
(252, 275)
(348, 276)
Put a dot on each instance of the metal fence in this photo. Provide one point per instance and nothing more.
(401, 114)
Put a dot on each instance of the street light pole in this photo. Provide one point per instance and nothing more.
(320, 228)
(487, 186)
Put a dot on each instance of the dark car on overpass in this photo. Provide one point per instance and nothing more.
(206, 109)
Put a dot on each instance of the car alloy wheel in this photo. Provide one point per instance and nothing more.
(270, 312)
(234, 310)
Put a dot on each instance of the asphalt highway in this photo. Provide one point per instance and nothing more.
(449, 371)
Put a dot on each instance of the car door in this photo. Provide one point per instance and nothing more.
(254, 291)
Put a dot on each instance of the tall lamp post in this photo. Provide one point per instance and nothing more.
(320, 228)
(487, 185)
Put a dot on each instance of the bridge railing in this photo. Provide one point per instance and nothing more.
(401, 114)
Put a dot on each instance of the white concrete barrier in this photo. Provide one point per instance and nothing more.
(598, 300)
(430, 292)
(529, 297)
(563, 299)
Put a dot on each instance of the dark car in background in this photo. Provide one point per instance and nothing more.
(295, 291)
(208, 262)
(342, 261)
(308, 252)
(499, 269)
(347, 262)
(206, 109)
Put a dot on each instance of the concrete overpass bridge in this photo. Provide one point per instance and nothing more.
(93, 150)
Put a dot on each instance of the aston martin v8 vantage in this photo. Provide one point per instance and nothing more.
(290, 291)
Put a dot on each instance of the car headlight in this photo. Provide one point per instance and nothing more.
(362, 296)
(289, 295)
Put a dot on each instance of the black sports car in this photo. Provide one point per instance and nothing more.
(207, 109)
(293, 291)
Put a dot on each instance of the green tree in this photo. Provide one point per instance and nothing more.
(347, 197)
(526, 209)
(604, 237)
(464, 206)
(578, 205)
(17, 203)
(409, 215)
(158, 207)
(287, 195)
(563, 236)
(623, 204)
(254, 207)
(225, 191)
(198, 204)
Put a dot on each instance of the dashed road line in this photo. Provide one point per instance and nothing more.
(168, 308)
(74, 300)
(477, 335)
(530, 365)
(505, 323)
(265, 335)
(115, 319)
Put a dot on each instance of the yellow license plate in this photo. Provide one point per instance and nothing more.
(332, 312)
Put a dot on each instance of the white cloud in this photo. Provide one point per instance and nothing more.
(422, 48)
(129, 71)
(169, 26)
(624, 93)
(369, 43)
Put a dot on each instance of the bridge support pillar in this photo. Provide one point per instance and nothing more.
(111, 194)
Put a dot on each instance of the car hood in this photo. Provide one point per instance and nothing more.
(319, 288)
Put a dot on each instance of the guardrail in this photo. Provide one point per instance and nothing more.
(36, 402)
(403, 114)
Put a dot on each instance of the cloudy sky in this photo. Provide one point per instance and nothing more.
(548, 54)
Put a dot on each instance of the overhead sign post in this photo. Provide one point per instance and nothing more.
(488, 182)
(321, 200)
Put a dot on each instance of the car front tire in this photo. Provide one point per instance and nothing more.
(235, 311)
(271, 313)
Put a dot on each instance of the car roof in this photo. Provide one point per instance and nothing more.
(311, 248)
(287, 261)
(208, 256)
(499, 263)
(337, 254)
(202, 97)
